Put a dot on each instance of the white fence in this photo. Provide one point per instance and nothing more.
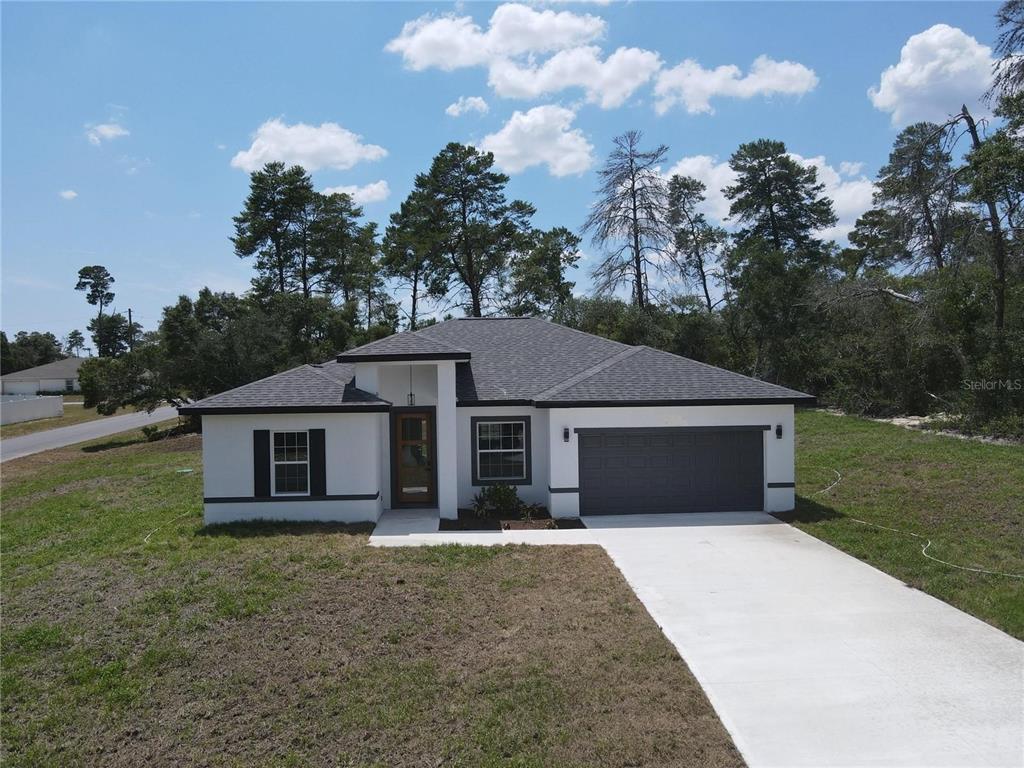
(17, 408)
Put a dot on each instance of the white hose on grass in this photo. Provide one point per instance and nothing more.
(928, 542)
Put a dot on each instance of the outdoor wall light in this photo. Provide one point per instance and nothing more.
(565, 434)
(778, 431)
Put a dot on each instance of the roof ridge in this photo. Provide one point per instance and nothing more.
(719, 368)
(587, 373)
(325, 375)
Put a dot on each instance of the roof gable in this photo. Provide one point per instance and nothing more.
(58, 369)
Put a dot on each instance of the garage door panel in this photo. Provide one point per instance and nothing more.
(624, 471)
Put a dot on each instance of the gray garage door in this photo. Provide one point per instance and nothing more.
(630, 471)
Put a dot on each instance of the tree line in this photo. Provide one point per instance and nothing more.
(920, 312)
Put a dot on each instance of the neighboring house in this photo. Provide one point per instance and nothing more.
(59, 376)
(424, 419)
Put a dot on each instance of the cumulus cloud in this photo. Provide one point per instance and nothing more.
(689, 84)
(313, 147)
(939, 69)
(609, 82)
(453, 42)
(369, 193)
(467, 104)
(542, 136)
(851, 192)
(98, 133)
(68, 194)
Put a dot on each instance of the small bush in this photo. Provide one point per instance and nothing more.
(497, 501)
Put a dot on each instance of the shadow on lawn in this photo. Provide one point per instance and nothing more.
(809, 511)
(268, 528)
(111, 444)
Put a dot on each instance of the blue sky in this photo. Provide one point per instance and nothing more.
(127, 127)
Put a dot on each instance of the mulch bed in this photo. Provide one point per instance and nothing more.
(469, 521)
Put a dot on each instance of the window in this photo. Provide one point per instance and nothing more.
(290, 463)
(501, 450)
(69, 385)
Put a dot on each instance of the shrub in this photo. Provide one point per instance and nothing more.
(497, 501)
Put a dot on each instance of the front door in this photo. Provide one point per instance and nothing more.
(413, 459)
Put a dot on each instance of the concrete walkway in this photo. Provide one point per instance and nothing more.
(809, 656)
(26, 445)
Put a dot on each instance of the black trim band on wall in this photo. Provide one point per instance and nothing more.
(782, 485)
(333, 497)
(563, 490)
(527, 452)
(261, 463)
(723, 428)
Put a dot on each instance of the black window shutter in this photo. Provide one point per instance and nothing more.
(261, 463)
(317, 463)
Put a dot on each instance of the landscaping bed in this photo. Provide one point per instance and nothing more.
(469, 520)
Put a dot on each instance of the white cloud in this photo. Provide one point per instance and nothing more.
(370, 193)
(846, 168)
(541, 136)
(851, 196)
(452, 42)
(313, 147)
(689, 84)
(97, 134)
(68, 194)
(939, 69)
(608, 83)
(467, 104)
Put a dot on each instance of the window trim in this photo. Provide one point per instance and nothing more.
(274, 493)
(474, 449)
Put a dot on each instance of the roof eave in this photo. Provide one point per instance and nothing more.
(225, 410)
(804, 400)
(400, 358)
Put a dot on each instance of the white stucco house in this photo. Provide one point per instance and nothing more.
(58, 376)
(423, 419)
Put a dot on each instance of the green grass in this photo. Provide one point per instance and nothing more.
(966, 496)
(73, 414)
(279, 645)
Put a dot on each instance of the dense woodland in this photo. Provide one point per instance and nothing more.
(922, 311)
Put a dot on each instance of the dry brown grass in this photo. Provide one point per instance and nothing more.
(300, 645)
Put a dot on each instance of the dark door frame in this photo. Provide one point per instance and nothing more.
(392, 426)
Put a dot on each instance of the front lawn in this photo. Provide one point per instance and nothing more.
(966, 496)
(134, 636)
(73, 414)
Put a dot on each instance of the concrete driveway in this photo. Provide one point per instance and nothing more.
(26, 445)
(811, 657)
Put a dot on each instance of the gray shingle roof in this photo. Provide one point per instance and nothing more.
(510, 360)
(517, 358)
(59, 369)
(404, 346)
(646, 375)
(323, 387)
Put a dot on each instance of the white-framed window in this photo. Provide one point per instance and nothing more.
(289, 463)
(69, 385)
(502, 451)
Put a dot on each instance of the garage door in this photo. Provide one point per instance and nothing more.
(628, 471)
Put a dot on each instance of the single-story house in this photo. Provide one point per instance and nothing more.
(58, 376)
(424, 419)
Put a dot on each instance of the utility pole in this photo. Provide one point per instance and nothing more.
(131, 332)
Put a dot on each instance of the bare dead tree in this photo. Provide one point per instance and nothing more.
(1008, 71)
(628, 220)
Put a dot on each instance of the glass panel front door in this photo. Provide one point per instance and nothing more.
(414, 458)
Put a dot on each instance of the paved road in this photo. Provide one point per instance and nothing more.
(810, 657)
(16, 447)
